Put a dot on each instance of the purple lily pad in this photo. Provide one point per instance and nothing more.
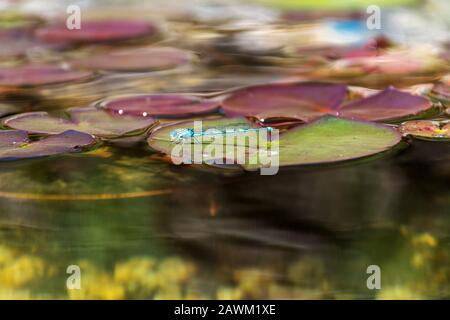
(277, 103)
(89, 120)
(385, 105)
(302, 101)
(138, 59)
(14, 144)
(35, 75)
(442, 89)
(308, 16)
(161, 105)
(96, 31)
(397, 62)
(13, 46)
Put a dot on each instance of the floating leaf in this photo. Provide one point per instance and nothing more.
(428, 129)
(328, 139)
(302, 101)
(137, 59)
(14, 144)
(160, 138)
(14, 23)
(39, 75)
(442, 90)
(16, 46)
(331, 139)
(387, 104)
(96, 31)
(331, 4)
(394, 62)
(160, 105)
(90, 120)
(309, 100)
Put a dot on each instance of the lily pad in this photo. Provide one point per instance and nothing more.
(331, 139)
(96, 31)
(427, 129)
(160, 139)
(89, 120)
(310, 100)
(14, 22)
(302, 101)
(161, 105)
(386, 105)
(137, 59)
(394, 62)
(328, 139)
(442, 90)
(35, 75)
(14, 144)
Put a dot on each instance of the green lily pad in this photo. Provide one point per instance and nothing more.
(160, 138)
(328, 139)
(89, 120)
(331, 139)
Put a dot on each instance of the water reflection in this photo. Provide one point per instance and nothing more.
(304, 233)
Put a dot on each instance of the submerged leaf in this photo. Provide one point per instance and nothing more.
(160, 105)
(137, 59)
(90, 120)
(96, 31)
(34, 75)
(14, 144)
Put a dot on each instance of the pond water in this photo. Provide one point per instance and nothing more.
(139, 227)
(303, 233)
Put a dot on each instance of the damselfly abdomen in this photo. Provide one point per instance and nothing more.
(188, 135)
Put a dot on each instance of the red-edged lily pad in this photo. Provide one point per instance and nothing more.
(302, 101)
(386, 105)
(96, 31)
(14, 144)
(161, 105)
(309, 100)
(442, 89)
(138, 59)
(390, 63)
(328, 139)
(35, 75)
(89, 120)
(427, 129)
